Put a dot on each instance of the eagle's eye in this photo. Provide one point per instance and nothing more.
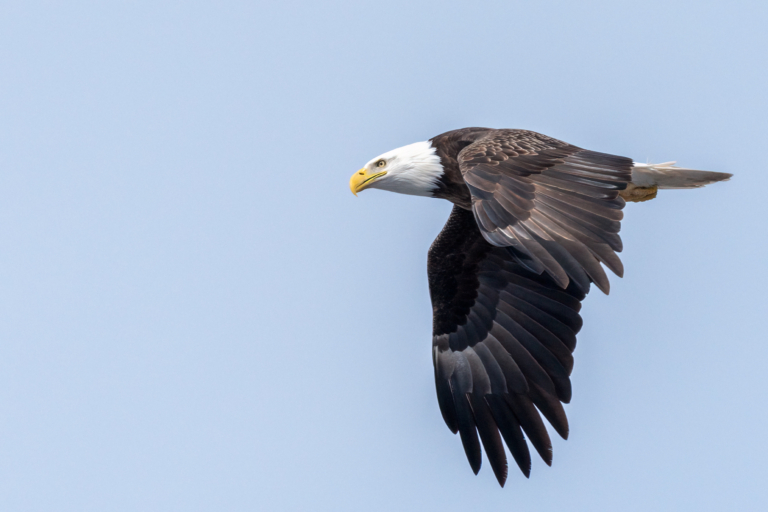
(381, 163)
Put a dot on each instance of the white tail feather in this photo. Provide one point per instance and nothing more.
(666, 175)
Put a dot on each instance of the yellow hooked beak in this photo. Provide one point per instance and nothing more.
(362, 179)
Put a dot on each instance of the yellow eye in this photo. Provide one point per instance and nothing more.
(381, 163)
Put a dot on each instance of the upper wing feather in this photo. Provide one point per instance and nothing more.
(557, 204)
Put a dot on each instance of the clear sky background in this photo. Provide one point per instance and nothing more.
(197, 315)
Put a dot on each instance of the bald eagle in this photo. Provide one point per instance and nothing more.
(532, 221)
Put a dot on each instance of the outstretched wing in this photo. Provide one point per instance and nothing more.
(502, 343)
(557, 204)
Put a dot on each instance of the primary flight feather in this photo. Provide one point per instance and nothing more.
(533, 220)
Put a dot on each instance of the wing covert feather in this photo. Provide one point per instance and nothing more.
(554, 202)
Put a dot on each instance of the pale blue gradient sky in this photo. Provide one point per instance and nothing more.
(196, 314)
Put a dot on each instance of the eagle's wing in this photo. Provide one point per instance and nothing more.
(557, 204)
(502, 343)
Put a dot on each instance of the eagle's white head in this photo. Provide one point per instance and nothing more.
(413, 169)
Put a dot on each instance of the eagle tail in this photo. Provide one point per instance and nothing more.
(666, 175)
(647, 179)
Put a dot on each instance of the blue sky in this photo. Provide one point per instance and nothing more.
(196, 314)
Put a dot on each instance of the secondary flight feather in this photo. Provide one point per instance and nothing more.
(534, 221)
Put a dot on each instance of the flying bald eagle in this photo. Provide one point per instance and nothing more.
(533, 219)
